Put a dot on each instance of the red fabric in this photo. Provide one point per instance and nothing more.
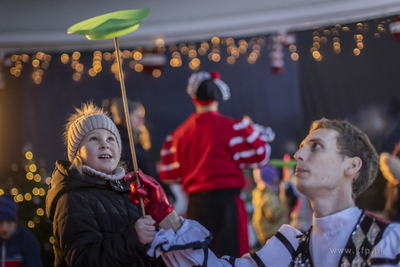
(202, 102)
(204, 153)
(243, 234)
(13, 264)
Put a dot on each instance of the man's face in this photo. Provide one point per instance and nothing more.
(320, 168)
(7, 229)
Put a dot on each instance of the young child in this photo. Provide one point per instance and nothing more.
(93, 222)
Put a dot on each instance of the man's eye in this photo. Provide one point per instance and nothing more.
(315, 145)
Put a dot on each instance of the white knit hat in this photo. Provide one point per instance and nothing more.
(86, 119)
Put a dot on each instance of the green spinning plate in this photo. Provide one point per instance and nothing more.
(279, 163)
(110, 25)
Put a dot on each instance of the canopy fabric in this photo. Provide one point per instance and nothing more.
(41, 25)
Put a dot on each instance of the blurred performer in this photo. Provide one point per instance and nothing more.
(270, 211)
(207, 154)
(390, 167)
(141, 139)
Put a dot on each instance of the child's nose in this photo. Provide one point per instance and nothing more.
(104, 145)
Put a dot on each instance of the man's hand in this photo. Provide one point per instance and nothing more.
(145, 229)
(155, 200)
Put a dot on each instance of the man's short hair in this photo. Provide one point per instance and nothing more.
(352, 142)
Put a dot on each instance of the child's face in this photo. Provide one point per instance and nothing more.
(99, 150)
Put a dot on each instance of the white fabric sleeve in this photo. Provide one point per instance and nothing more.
(389, 246)
(188, 247)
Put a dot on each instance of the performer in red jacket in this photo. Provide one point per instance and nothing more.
(207, 154)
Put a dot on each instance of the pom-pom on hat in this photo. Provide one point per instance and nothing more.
(86, 119)
(207, 86)
(8, 208)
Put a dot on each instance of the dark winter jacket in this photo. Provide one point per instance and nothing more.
(22, 249)
(93, 221)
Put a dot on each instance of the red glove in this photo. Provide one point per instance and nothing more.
(155, 200)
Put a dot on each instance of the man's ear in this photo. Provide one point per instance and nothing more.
(354, 165)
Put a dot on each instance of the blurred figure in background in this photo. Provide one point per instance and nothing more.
(207, 154)
(270, 211)
(19, 247)
(390, 167)
(141, 138)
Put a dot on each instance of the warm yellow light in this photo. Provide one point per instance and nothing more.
(29, 155)
(242, 49)
(51, 239)
(176, 55)
(337, 50)
(202, 51)
(48, 180)
(107, 56)
(156, 73)
(257, 47)
(205, 45)
(192, 53)
(316, 54)
(137, 56)
(76, 76)
(295, 56)
(236, 54)
(31, 224)
(1, 192)
(292, 48)
(20, 198)
(37, 178)
(251, 61)
(35, 63)
(32, 168)
(196, 62)
(28, 197)
(184, 50)
(360, 37)
(42, 192)
(14, 191)
(64, 58)
(316, 39)
(92, 72)
(29, 176)
(231, 60)
(316, 45)
(215, 40)
(336, 44)
(346, 29)
(97, 53)
(40, 212)
(216, 57)
(357, 51)
(35, 191)
(79, 67)
(24, 57)
(174, 62)
(38, 80)
(160, 42)
(327, 32)
(360, 46)
(138, 67)
(76, 55)
(377, 35)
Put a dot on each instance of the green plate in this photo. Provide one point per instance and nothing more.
(279, 163)
(110, 25)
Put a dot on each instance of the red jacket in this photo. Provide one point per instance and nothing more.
(208, 151)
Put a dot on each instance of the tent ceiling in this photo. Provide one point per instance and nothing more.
(40, 25)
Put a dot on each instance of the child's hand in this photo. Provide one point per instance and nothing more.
(145, 229)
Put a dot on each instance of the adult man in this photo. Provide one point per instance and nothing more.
(207, 154)
(336, 162)
(19, 247)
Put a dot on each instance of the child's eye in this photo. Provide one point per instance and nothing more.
(93, 138)
(110, 139)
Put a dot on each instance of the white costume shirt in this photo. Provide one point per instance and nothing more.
(329, 235)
